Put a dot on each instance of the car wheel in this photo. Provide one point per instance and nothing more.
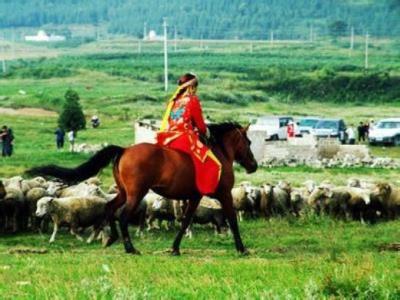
(275, 137)
(396, 140)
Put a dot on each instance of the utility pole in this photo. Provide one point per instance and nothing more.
(165, 56)
(271, 37)
(352, 38)
(175, 38)
(311, 33)
(144, 31)
(4, 59)
(366, 50)
(139, 46)
(201, 42)
(13, 43)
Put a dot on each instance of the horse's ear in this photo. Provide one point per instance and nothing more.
(245, 128)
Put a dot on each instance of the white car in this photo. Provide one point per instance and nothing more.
(386, 131)
(275, 127)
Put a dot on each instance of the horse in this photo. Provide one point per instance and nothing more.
(169, 173)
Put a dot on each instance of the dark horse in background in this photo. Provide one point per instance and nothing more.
(167, 172)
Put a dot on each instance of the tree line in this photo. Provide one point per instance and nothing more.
(212, 18)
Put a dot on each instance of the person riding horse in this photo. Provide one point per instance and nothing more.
(178, 166)
(182, 125)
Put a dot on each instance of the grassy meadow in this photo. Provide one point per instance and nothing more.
(308, 258)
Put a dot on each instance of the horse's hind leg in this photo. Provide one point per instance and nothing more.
(187, 218)
(111, 208)
(134, 196)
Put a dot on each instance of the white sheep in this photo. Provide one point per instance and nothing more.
(77, 212)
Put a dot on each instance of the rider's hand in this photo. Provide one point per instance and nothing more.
(208, 134)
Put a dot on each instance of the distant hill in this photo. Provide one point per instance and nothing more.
(212, 18)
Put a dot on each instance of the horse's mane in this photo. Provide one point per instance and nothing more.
(217, 131)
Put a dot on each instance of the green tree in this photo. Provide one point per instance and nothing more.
(338, 28)
(72, 117)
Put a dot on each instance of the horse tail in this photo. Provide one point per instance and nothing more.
(86, 170)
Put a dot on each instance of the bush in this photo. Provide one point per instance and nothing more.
(72, 117)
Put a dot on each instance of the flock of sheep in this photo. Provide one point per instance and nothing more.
(31, 204)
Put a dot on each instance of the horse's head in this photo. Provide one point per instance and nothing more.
(233, 138)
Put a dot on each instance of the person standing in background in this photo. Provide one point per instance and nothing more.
(361, 132)
(366, 130)
(71, 139)
(60, 135)
(351, 136)
(7, 138)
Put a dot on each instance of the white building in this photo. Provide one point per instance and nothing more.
(42, 36)
(152, 36)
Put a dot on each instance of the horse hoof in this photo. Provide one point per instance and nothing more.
(245, 252)
(135, 252)
(131, 250)
(175, 252)
(110, 241)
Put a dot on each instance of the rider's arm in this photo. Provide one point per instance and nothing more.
(197, 115)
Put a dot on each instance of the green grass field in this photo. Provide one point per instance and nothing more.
(309, 258)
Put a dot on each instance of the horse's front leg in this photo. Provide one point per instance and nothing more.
(229, 212)
(187, 219)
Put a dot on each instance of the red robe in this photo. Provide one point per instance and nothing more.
(185, 122)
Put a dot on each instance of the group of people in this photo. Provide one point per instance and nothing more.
(71, 135)
(60, 138)
(362, 132)
(6, 139)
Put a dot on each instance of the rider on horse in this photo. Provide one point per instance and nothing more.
(181, 128)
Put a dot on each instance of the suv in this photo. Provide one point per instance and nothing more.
(307, 124)
(275, 127)
(330, 128)
(386, 131)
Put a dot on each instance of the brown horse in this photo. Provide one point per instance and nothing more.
(167, 172)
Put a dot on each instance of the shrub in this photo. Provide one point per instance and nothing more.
(72, 117)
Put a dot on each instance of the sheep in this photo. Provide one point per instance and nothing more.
(2, 195)
(254, 195)
(359, 183)
(209, 211)
(31, 198)
(298, 197)
(77, 212)
(276, 200)
(332, 201)
(93, 180)
(341, 201)
(160, 208)
(358, 202)
(241, 202)
(389, 198)
(14, 205)
(353, 182)
(138, 218)
(82, 189)
(310, 185)
(113, 189)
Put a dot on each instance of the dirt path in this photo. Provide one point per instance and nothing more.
(35, 112)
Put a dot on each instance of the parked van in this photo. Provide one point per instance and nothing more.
(275, 127)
